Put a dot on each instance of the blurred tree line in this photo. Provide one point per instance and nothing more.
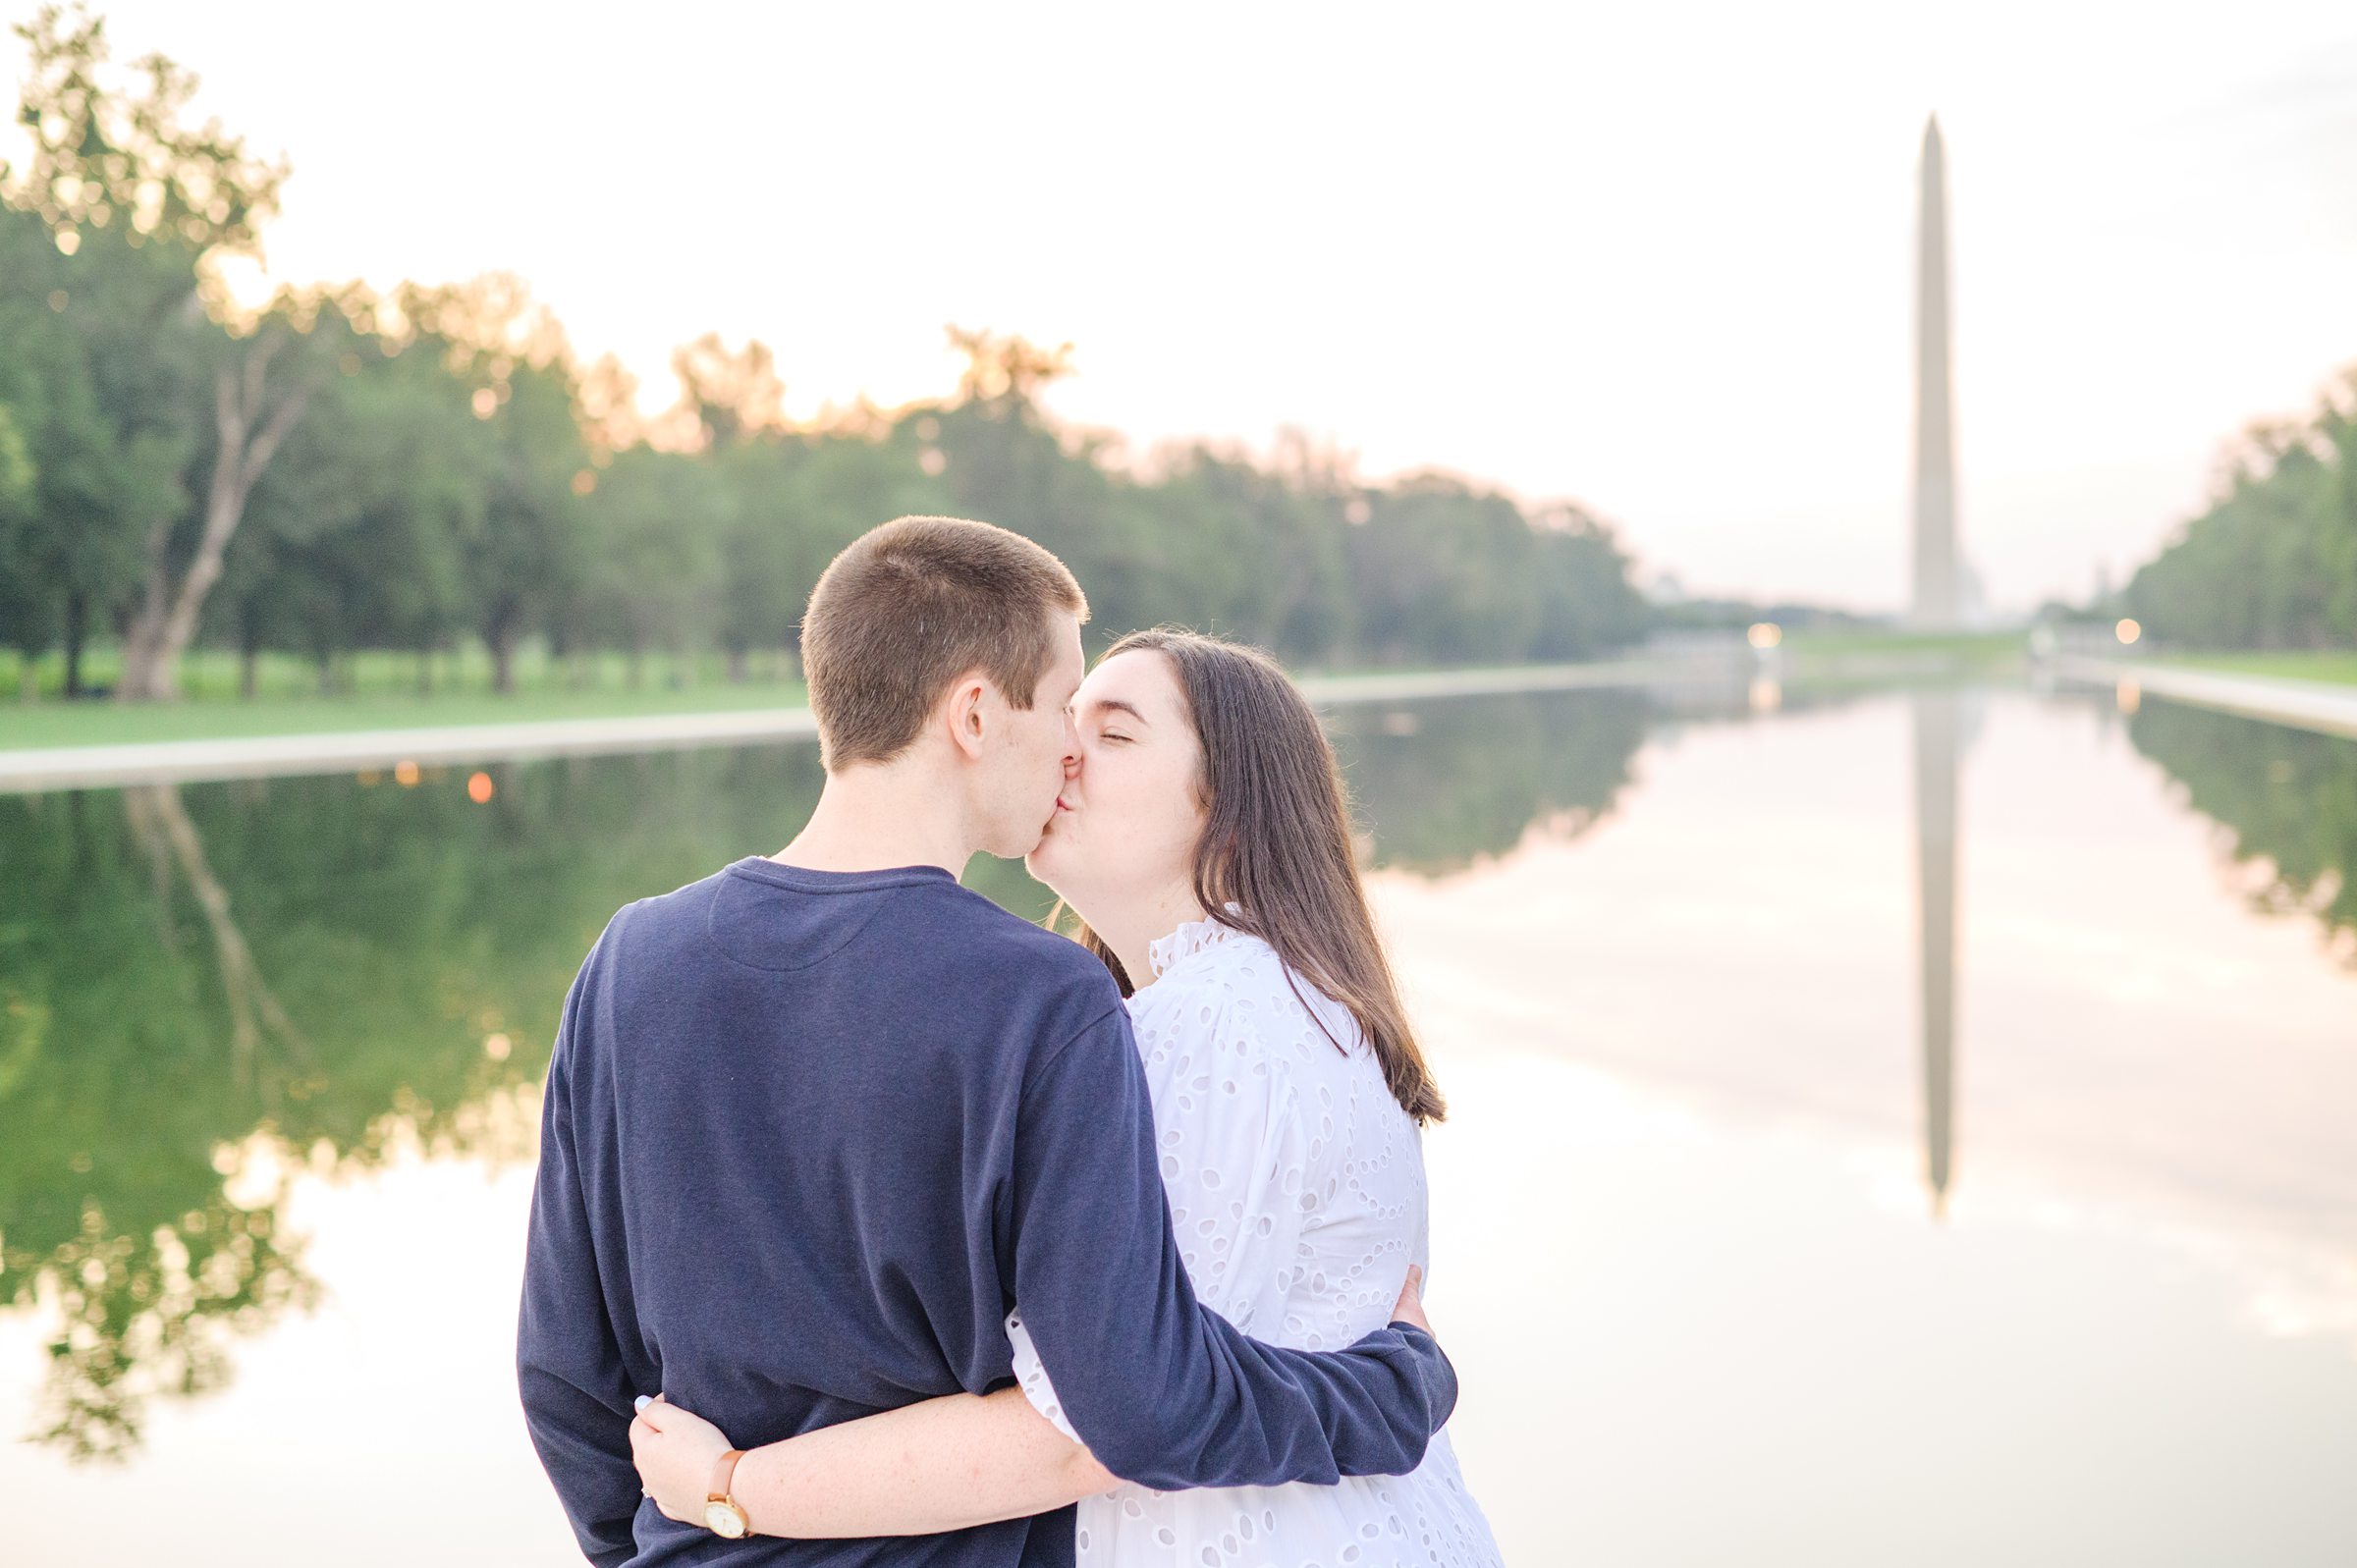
(342, 469)
(2272, 564)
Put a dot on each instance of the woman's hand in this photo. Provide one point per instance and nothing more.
(1410, 1307)
(676, 1451)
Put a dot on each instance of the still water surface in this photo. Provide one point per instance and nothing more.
(1895, 1126)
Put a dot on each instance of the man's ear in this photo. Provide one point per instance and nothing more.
(966, 713)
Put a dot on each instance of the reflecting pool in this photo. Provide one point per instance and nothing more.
(1904, 1125)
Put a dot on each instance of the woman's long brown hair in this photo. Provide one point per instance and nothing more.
(1277, 844)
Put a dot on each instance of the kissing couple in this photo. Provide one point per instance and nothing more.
(875, 1224)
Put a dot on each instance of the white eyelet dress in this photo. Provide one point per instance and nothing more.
(1296, 1186)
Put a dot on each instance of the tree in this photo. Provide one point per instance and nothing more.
(525, 556)
(339, 470)
(92, 343)
(354, 536)
(1248, 552)
(1588, 606)
(730, 396)
(16, 467)
(255, 410)
(22, 609)
(651, 530)
(121, 161)
(2272, 562)
(142, 204)
(1005, 372)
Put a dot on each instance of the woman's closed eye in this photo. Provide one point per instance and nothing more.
(1110, 735)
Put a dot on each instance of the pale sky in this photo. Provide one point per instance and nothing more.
(1657, 261)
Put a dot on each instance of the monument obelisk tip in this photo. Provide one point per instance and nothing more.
(1936, 601)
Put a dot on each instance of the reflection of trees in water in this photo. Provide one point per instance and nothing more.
(146, 1314)
(142, 1306)
(162, 827)
(236, 979)
(323, 961)
(2288, 798)
(1438, 784)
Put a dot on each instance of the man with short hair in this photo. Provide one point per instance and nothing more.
(816, 1123)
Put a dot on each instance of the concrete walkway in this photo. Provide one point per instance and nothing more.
(345, 751)
(2318, 705)
(38, 769)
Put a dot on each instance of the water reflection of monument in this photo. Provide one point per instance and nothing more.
(1939, 739)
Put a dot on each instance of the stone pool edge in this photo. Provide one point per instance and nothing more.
(36, 770)
(2302, 704)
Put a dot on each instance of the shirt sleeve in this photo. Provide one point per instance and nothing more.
(1228, 1131)
(1163, 1390)
(569, 1364)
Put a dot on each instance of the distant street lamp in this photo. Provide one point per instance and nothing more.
(2127, 632)
(1765, 634)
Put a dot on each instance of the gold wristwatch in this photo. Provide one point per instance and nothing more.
(723, 1514)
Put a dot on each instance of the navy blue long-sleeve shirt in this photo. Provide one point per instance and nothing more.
(808, 1137)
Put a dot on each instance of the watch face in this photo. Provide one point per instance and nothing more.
(724, 1519)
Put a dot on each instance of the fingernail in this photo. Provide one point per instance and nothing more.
(641, 1402)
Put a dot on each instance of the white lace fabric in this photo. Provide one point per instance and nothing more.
(1297, 1187)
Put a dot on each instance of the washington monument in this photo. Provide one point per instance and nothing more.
(1936, 603)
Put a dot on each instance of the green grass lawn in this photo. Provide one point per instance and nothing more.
(377, 691)
(1972, 645)
(208, 675)
(2338, 665)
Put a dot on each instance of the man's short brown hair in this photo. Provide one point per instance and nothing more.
(911, 606)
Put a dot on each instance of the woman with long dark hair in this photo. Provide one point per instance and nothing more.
(1203, 841)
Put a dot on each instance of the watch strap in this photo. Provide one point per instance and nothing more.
(724, 1474)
